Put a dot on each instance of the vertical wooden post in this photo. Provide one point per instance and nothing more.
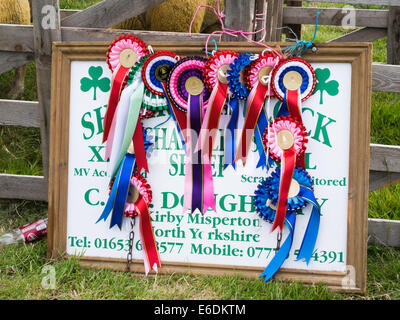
(239, 16)
(274, 20)
(46, 29)
(295, 27)
(393, 41)
(260, 7)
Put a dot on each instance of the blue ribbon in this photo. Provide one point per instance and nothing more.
(230, 137)
(262, 124)
(119, 192)
(310, 236)
(284, 250)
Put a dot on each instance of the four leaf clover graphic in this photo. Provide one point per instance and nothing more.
(95, 81)
(331, 87)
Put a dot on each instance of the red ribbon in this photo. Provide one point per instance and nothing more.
(146, 229)
(293, 104)
(287, 169)
(250, 122)
(138, 146)
(214, 115)
(116, 89)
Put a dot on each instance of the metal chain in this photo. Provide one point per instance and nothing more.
(278, 240)
(131, 238)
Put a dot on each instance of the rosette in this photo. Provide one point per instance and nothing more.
(137, 204)
(293, 81)
(286, 139)
(216, 80)
(300, 194)
(258, 80)
(154, 72)
(239, 91)
(188, 95)
(122, 55)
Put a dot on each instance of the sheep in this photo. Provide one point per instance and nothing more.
(16, 12)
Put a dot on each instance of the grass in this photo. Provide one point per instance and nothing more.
(21, 265)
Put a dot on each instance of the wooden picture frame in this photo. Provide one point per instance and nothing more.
(358, 54)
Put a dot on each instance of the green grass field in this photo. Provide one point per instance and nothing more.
(21, 265)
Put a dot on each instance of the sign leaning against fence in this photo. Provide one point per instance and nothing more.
(234, 239)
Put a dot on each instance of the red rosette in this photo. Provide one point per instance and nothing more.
(288, 123)
(143, 188)
(221, 59)
(127, 37)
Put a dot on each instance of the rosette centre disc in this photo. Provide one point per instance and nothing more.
(133, 194)
(285, 139)
(294, 189)
(223, 73)
(194, 86)
(263, 74)
(128, 58)
(161, 72)
(292, 80)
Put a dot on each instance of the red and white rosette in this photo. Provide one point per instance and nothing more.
(258, 81)
(293, 81)
(137, 204)
(122, 55)
(216, 80)
(286, 139)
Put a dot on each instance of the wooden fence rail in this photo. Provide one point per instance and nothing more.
(21, 44)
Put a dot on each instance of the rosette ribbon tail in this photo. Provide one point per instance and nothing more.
(283, 251)
(132, 134)
(210, 123)
(195, 183)
(255, 104)
(288, 164)
(119, 192)
(293, 104)
(152, 258)
(311, 234)
(230, 134)
(116, 87)
(262, 124)
(178, 115)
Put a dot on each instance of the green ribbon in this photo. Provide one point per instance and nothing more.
(133, 117)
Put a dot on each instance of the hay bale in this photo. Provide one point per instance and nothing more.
(15, 12)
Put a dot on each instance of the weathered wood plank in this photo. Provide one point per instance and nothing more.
(65, 13)
(362, 35)
(11, 60)
(385, 158)
(385, 77)
(352, 2)
(393, 41)
(335, 16)
(15, 37)
(43, 37)
(296, 28)
(108, 13)
(23, 187)
(382, 231)
(260, 10)
(239, 16)
(380, 179)
(274, 20)
(19, 113)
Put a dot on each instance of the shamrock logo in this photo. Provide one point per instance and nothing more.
(95, 81)
(331, 87)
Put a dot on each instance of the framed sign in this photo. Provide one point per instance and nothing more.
(234, 239)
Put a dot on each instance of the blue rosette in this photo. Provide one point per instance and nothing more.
(265, 201)
(236, 83)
